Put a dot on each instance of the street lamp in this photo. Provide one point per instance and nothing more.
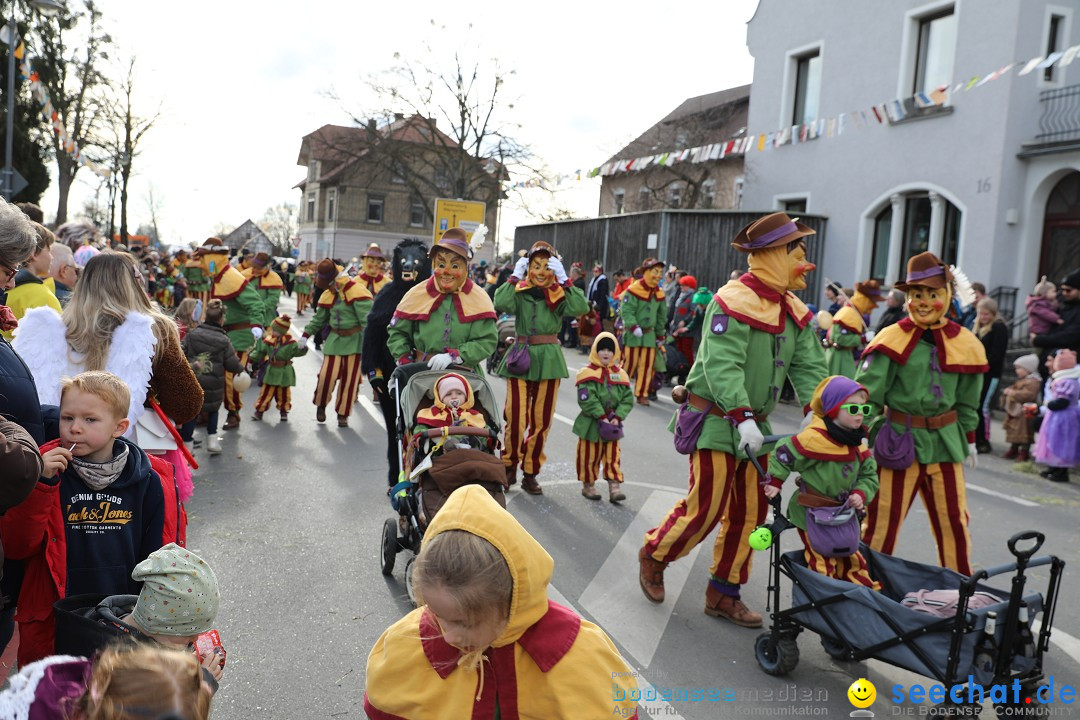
(47, 8)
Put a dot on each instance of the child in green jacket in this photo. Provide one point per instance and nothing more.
(604, 396)
(836, 467)
(277, 348)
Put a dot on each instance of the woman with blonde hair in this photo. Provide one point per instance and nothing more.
(991, 330)
(124, 682)
(110, 324)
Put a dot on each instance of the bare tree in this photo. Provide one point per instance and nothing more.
(279, 224)
(153, 206)
(72, 47)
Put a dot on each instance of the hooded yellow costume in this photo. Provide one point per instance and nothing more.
(546, 663)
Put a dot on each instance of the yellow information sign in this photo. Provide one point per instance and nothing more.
(466, 214)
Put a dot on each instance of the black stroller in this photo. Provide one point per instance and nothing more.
(506, 339)
(435, 462)
(948, 649)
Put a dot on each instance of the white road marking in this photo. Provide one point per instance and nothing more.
(1001, 495)
(614, 599)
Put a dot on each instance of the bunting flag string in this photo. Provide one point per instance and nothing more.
(891, 112)
(41, 94)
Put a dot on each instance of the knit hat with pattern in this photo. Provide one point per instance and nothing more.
(179, 595)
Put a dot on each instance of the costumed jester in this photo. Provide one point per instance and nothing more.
(302, 286)
(448, 320)
(371, 269)
(605, 399)
(926, 371)
(539, 295)
(756, 334)
(277, 348)
(343, 306)
(644, 314)
(267, 283)
(198, 284)
(244, 313)
(847, 334)
(411, 267)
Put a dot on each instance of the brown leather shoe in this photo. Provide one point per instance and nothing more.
(643, 401)
(320, 413)
(257, 415)
(284, 416)
(589, 491)
(343, 421)
(717, 604)
(232, 421)
(530, 485)
(651, 576)
(511, 475)
(615, 493)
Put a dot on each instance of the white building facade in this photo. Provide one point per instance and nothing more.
(988, 179)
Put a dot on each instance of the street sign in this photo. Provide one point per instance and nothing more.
(16, 183)
(466, 214)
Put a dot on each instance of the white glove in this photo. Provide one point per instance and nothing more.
(638, 332)
(972, 460)
(807, 419)
(440, 361)
(257, 332)
(521, 270)
(555, 265)
(750, 435)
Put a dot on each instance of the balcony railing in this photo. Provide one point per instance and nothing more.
(1060, 119)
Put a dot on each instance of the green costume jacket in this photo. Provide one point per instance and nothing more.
(753, 339)
(916, 377)
(601, 391)
(345, 310)
(827, 467)
(269, 287)
(243, 307)
(302, 283)
(280, 354)
(431, 322)
(648, 314)
(197, 281)
(539, 311)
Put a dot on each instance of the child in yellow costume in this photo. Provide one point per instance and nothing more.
(453, 406)
(486, 641)
(604, 396)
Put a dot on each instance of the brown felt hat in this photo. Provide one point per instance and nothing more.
(647, 264)
(925, 270)
(542, 247)
(871, 289)
(260, 260)
(455, 240)
(374, 251)
(773, 230)
(325, 273)
(211, 246)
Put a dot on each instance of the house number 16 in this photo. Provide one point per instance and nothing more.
(983, 186)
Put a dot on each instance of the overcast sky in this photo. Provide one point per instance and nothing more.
(240, 83)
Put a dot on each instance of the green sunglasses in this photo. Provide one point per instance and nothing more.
(856, 409)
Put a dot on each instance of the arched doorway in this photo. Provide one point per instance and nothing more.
(1061, 229)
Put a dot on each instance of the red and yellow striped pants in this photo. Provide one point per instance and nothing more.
(853, 569)
(343, 371)
(941, 486)
(269, 393)
(303, 301)
(722, 490)
(639, 363)
(233, 400)
(589, 456)
(529, 412)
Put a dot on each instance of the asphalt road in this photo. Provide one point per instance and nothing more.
(290, 516)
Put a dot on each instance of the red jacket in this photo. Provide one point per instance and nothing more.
(34, 532)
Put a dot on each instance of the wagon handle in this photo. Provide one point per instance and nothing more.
(1023, 555)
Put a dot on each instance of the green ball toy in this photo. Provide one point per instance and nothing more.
(761, 539)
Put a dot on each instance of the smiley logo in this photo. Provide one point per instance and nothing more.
(862, 693)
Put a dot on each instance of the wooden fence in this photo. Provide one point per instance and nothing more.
(698, 241)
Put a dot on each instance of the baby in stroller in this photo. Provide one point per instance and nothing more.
(453, 407)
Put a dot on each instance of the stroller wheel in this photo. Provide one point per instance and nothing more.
(409, 567)
(834, 648)
(780, 659)
(388, 548)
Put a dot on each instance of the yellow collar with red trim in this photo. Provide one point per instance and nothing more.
(959, 351)
(639, 289)
(849, 318)
(815, 443)
(753, 303)
(611, 375)
(349, 293)
(443, 417)
(553, 293)
(228, 283)
(470, 303)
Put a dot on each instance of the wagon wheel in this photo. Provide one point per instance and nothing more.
(410, 567)
(780, 659)
(388, 547)
(834, 648)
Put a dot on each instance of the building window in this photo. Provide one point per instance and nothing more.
(674, 199)
(793, 206)
(331, 197)
(397, 173)
(644, 198)
(1054, 42)
(417, 213)
(935, 52)
(916, 227)
(879, 258)
(708, 194)
(311, 207)
(375, 209)
(312, 167)
(950, 241)
(620, 202)
(738, 192)
(807, 88)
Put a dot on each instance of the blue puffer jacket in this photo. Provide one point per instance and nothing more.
(18, 394)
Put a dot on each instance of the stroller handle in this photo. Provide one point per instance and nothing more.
(461, 430)
(1010, 567)
(1023, 555)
